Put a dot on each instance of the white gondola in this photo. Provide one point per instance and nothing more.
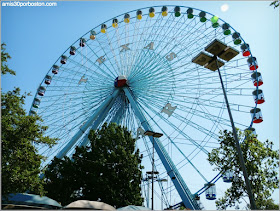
(258, 96)
(210, 191)
(257, 117)
(228, 176)
(252, 62)
(257, 79)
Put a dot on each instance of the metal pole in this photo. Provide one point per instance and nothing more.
(161, 201)
(148, 204)
(153, 174)
(239, 152)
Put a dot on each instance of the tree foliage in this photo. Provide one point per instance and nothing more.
(20, 160)
(19, 133)
(109, 168)
(4, 59)
(275, 3)
(262, 164)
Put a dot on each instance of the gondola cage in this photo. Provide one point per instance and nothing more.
(257, 117)
(245, 49)
(41, 90)
(63, 59)
(164, 11)
(251, 131)
(36, 103)
(210, 191)
(55, 69)
(115, 22)
(202, 16)
(257, 79)
(226, 29)
(48, 79)
(33, 112)
(236, 38)
(214, 21)
(126, 18)
(152, 12)
(92, 35)
(139, 14)
(252, 62)
(258, 96)
(190, 13)
(228, 176)
(82, 42)
(196, 197)
(72, 50)
(103, 28)
(177, 11)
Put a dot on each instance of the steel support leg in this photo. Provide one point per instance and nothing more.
(76, 137)
(97, 122)
(170, 167)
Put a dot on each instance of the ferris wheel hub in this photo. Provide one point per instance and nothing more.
(120, 81)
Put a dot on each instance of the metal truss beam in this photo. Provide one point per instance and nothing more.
(90, 121)
(170, 167)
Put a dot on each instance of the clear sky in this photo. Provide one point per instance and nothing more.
(37, 36)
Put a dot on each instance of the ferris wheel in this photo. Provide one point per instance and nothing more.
(155, 70)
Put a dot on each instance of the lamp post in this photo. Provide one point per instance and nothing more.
(154, 135)
(148, 181)
(221, 50)
(161, 180)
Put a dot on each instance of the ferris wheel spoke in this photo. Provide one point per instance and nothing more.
(174, 144)
(97, 67)
(86, 68)
(206, 102)
(177, 129)
(69, 108)
(190, 123)
(113, 52)
(135, 40)
(205, 115)
(55, 112)
(149, 45)
(106, 57)
(101, 60)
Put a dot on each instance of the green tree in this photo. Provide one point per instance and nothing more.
(275, 4)
(108, 169)
(4, 59)
(262, 164)
(20, 133)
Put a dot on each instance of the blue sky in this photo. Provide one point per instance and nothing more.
(37, 36)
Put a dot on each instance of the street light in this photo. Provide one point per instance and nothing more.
(221, 50)
(147, 179)
(154, 135)
(161, 180)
